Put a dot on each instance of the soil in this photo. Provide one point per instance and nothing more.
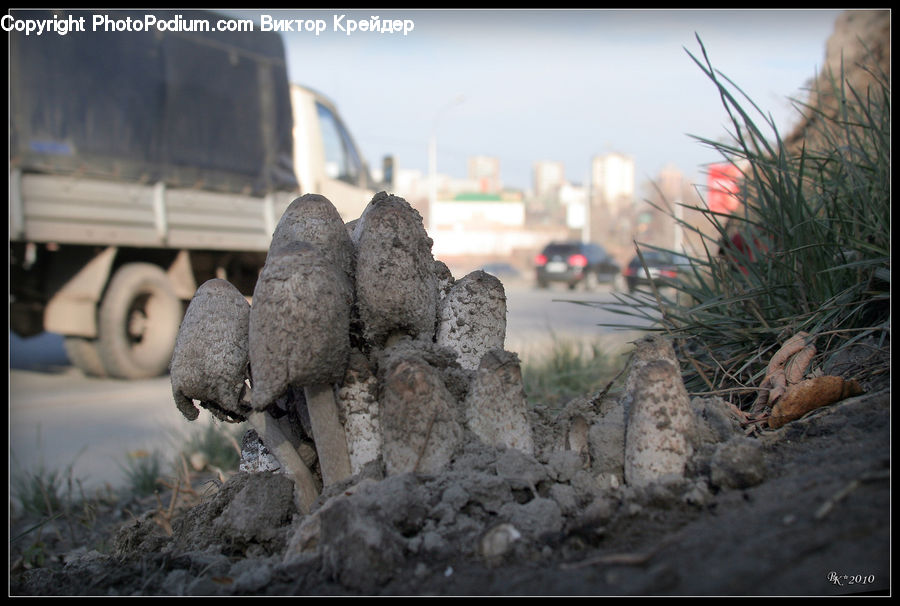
(801, 510)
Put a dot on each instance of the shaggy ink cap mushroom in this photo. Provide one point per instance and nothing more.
(209, 363)
(396, 287)
(299, 323)
(472, 318)
(312, 218)
(300, 338)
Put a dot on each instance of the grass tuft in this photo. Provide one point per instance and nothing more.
(39, 491)
(816, 221)
(142, 471)
(569, 369)
(218, 443)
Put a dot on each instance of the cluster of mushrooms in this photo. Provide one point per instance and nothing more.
(359, 348)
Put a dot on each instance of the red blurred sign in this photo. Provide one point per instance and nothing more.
(723, 185)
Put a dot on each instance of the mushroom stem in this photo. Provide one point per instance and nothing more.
(276, 442)
(331, 442)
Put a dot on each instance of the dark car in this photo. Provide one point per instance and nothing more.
(663, 268)
(575, 263)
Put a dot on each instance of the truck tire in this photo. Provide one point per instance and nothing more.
(138, 322)
(84, 355)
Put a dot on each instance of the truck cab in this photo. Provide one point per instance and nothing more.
(327, 160)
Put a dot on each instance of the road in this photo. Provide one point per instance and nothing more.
(62, 420)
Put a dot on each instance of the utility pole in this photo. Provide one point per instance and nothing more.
(679, 231)
(432, 164)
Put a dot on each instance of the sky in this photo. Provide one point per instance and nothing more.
(557, 85)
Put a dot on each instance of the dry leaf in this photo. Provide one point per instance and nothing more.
(810, 394)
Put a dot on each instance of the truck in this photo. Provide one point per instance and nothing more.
(146, 161)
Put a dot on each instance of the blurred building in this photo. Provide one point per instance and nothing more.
(549, 177)
(612, 181)
(477, 211)
(484, 171)
(474, 219)
(412, 185)
(611, 201)
(485, 225)
(574, 199)
(671, 184)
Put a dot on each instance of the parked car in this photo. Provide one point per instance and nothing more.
(663, 268)
(575, 263)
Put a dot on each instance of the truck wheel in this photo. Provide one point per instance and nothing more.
(139, 319)
(84, 355)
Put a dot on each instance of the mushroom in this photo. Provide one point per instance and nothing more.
(659, 420)
(209, 362)
(210, 365)
(357, 400)
(314, 219)
(496, 409)
(647, 349)
(472, 318)
(299, 338)
(396, 287)
(419, 414)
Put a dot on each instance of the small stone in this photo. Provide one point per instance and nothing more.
(198, 461)
(697, 494)
(565, 497)
(498, 541)
(563, 465)
(535, 518)
(738, 463)
(715, 421)
(520, 469)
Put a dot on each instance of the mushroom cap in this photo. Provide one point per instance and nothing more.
(472, 318)
(651, 348)
(313, 218)
(396, 287)
(211, 353)
(659, 425)
(299, 323)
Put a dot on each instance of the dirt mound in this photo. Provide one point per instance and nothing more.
(803, 510)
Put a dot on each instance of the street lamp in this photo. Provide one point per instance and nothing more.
(432, 163)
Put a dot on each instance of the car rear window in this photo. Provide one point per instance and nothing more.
(650, 257)
(560, 249)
